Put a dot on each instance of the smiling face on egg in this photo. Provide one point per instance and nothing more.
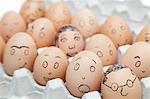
(84, 73)
(20, 51)
(50, 64)
(117, 30)
(103, 47)
(120, 83)
(86, 22)
(137, 58)
(43, 32)
(70, 40)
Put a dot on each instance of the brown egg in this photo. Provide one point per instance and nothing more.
(70, 40)
(137, 58)
(43, 32)
(51, 63)
(144, 34)
(103, 47)
(11, 23)
(2, 46)
(86, 22)
(84, 73)
(32, 10)
(20, 51)
(120, 83)
(59, 13)
(117, 30)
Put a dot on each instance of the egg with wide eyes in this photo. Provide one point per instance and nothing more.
(70, 40)
(84, 73)
(137, 58)
(20, 51)
(32, 10)
(43, 32)
(2, 46)
(144, 34)
(11, 23)
(59, 13)
(117, 30)
(86, 22)
(103, 47)
(50, 64)
(120, 82)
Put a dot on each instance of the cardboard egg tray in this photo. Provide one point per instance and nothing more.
(22, 84)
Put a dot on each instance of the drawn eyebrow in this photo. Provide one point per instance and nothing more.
(78, 58)
(76, 34)
(109, 45)
(19, 47)
(57, 57)
(94, 61)
(46, 55)
(137, 57)
(96, 47)
(63, 35)
(42, 29)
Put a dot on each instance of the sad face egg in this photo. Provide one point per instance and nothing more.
(137, 57)
(120, 83)
(50, 64)
(103, 47)
(84, 73)
(117, 30)
(20, 51)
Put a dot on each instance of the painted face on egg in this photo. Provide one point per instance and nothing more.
(11, 23)
(43, 32)
(84, 73)
(51, 63)
(120, 83)
(20, 51)
(32, 10)
(86, 22)
(59, 13)
(103, 47)
(137, 58)
(70, 40)
(144, 34)
(117, 30)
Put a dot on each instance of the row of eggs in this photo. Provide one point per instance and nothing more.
(93, 46)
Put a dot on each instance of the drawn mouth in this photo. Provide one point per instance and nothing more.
(71, 47)
(23, 65)
(83, 88)
(71, 54)
(123, 94)
(46, 79)
(143, 71)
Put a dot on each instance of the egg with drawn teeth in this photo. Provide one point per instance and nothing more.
(84, 73)
(120, 82)
(50, 64)
(117, 29)
(70, 40)
(20, 51)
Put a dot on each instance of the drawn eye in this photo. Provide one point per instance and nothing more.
(41, 34)
(81, 23)
(99, 53)
(77, 66)
(26, 52)
(56, 65)
(113, 31)
(129, 83)
(12, 51)
(45, 64)
(110, 52)
(114, 86)
(122, 27)
(63, 39)
(76, 38)
(138, 64)
(92, 68)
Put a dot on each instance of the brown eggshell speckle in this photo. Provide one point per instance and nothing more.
(120, 83)
(84, 73)
(51, 63)
(144, 34)
(59, 13)
(43, 32)
(32, 10)
(11, 23)
(2, 46)
(117, 30)
(86, 22)
(20, 51)
(70, 40)
(103, 47)
(137, 58)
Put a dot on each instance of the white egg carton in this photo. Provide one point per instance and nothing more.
(23, 86)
